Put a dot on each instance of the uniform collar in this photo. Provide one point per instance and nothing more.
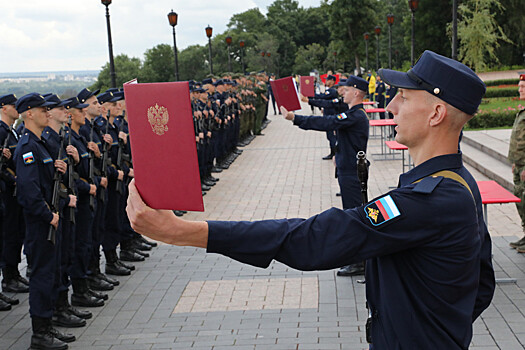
(356, 107)
(433, 165)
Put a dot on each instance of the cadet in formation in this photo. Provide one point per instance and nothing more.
(428, 276)
(517, 159)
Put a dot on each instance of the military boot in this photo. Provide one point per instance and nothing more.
(331, 155)
(112, 265)
(95, 271)
(11, 283)
(521, 248)
(10, 301)
(43, 337)
(62, 316)
(516, 244)
(81, 295)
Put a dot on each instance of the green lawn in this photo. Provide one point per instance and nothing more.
(501, 103)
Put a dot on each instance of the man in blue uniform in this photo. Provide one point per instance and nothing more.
(330, 93)
(429, 272)
(35, 172)
(12, 219)
(379, 95)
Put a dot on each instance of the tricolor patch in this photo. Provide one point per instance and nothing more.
(342, 116)
(382, 210)
(28, 158)
(335, 100)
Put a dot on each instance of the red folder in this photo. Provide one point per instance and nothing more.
(163, 145)
(285, 93)
(308, 86)
(324, 76)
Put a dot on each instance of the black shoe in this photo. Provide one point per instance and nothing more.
(99, 284)
(108, 279)
(46, 341)
(117, 270)
(208, 183)
(141, 253)
(178, 212)
(4, 306)
(203, 193)
(224, 166)
(214, 179)
(127, 266)
(216, 169)
(98, 295)
(14, 286)
(10, 301)
(145, 241)
(338, 194)
(86, 300)
(352, 270)
(205, 188)
(129, 255)
(86, 315)
(67, 338)
(328, 157)
(64, 318)
(138, 245)
(22, 280)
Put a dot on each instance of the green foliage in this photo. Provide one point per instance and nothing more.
(501, 92)
(502, 82)
(309, 58)
(479, 33)
(126, 68)
(159, 64)
(191, 63)
(492, 119)
(513, 25)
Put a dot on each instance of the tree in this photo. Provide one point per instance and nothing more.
(479, 33)
(309, 58)
(191, 63)
(158, 64)
(511, 21)
(126, 68)
(348, 20)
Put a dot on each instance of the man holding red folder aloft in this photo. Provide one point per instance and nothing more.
(429, 271)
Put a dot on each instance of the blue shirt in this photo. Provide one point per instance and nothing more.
(429, 272)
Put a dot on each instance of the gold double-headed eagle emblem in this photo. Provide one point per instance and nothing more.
(158, 118)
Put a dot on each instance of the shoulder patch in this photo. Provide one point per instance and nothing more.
(28, 158)
(342, 116)
(335, 100)
(47, 160)
(326, 92)
(427, 184)
(381, 210)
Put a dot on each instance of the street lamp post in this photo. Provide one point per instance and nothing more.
(241, 44)
(172, 18)
(390, 20)
(110, 45)
(377, 30)
(413, 4)
(366, 36)
(209, 32)
(229, 42)
(455, 29)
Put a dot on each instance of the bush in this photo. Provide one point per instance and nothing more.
(496, 118)
(502, 82)
(502, 92)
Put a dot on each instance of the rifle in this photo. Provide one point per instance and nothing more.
(362, 175)
(57, 191)
(105, 156)
(121, 157)
(72, 175)
(91, 174)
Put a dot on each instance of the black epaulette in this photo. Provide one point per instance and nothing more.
(427, 184)
(24, 139)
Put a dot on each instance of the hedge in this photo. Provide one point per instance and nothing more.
(502, 82)
(492, 119)
(503, 92)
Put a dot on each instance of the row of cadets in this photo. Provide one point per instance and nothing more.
(12, 227)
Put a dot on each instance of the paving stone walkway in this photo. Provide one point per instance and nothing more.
(183, 298)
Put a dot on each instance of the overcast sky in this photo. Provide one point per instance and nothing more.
(54, 35)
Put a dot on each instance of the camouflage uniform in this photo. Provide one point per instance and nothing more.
(517, 158)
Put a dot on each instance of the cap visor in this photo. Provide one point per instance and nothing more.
(95, 92)
(398, 79)
(47, 104)
(82, 105)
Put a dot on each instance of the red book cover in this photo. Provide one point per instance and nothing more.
(285, 93)
(308, 86)
(163, 145)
